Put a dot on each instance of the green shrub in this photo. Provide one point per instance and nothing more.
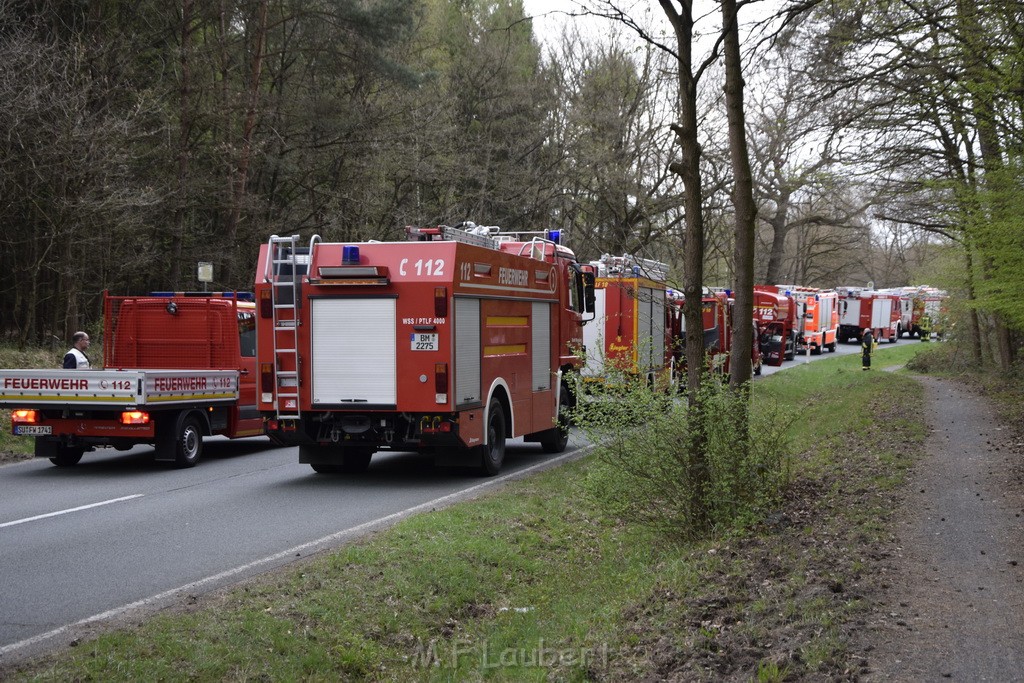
(646, 472)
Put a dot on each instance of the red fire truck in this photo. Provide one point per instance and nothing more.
(717, 314)
(775, 317)
(861, 308)
(817, 317)
(449, 343)
(628, 334)
(920, 309)
(178, 367)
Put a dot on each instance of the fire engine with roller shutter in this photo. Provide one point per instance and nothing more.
(628, 335)
(449, 343)
(862, 308)
(817, 317)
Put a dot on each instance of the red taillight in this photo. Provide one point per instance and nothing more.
(267, 378)
(266, 304)
(441, 378)
(134, 417)
(440, 302)
(24, 417)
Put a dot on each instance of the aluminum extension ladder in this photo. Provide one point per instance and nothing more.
(284, 270)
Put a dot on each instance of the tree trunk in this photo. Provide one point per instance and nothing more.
(185, 122)
(240, 177)
(688, 170)
(742, 201)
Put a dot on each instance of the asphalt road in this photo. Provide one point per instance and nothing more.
(119, 533)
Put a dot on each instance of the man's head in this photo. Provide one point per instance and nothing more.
(80, 340)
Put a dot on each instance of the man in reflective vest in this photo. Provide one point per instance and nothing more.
(75, 358)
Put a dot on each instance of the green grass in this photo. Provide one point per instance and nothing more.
(534, 583)
(29, 357)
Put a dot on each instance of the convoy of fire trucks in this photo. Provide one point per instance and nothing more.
(448, 343)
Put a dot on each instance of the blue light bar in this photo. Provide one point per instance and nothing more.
(350, 255)
(555, 236)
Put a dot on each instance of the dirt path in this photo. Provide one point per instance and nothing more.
(955, 607)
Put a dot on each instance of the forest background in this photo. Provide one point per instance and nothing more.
(141, 138)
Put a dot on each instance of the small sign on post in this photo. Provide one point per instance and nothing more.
(205, 273)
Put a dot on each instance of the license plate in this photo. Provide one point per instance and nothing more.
(33, 430)
(425, 342)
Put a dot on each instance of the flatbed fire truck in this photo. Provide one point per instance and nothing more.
(628, 333)
(449, 343)
(178, 367)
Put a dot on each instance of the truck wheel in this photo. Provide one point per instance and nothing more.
(558, 437)
(831, 347)
(356, 460)
(184, 443)
(67, 456)
(324, 467)
(492, 454)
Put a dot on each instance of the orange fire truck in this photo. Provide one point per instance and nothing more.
(628, 333)
(817, 317)
(449, 343)
(178, 367)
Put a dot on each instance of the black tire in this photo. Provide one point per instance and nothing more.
(66, 456)
(831, 347)
(325, 467)
(184, 443)
(356, 460)
(558, 437)
(492, 453)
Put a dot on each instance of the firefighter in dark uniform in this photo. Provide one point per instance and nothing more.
(867, 342)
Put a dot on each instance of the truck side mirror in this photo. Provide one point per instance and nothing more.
(589, 297)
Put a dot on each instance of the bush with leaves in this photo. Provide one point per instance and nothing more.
(644, 473)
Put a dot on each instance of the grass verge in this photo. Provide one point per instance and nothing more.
(16, 447)
(533, 583)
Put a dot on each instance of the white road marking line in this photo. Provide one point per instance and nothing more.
(69, 510)
(395, 516)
